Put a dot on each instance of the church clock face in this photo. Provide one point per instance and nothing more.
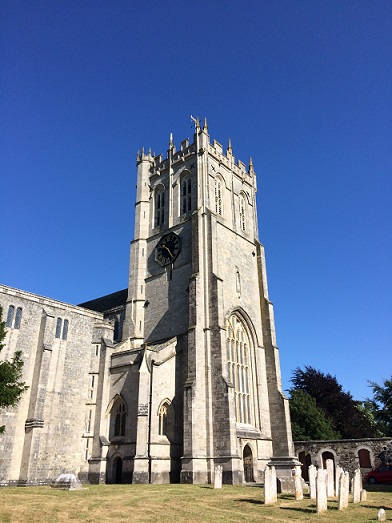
(167, 249)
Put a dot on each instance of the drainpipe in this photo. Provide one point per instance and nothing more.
(149, 423)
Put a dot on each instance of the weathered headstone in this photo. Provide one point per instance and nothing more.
(218, 476)
(312, 481)
(298, 484)
(381, 516)
(357, 486)
(344, 487)
(363, 495)
(321, 491)
(330, 479)
(338, 473)
(67, 482)
(270, 486)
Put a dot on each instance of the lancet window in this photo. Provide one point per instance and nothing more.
(120, 418)
(159, 206)
(186, 194)
(218, 196)
(242, 212)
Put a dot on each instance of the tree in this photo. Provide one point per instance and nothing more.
(344, 413)
(11, 386)
(307, 420)
(381, 405)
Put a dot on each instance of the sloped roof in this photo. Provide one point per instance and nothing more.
(106, 303)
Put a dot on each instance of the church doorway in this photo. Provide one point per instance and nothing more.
(248, 464)
(117, 470)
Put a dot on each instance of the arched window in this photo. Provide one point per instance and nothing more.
(163, 415)
(186, 194)
(18, 318)
(242, 213)
(65, 330)
(116, 333)
(159, 206)
(218, 196)
(238, 346)
(58, 327)
(10, 316)
(120, 417)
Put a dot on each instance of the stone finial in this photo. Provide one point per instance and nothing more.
(250, 169)
(171, 140)
(229, 148)
(205, 127)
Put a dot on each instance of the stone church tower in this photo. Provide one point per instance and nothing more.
(199, 317)
(177, 373)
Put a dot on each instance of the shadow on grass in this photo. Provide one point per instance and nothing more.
(253, 501)
(375, 506)
(305, 510)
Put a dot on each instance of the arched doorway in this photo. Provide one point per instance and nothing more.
(117, 470)
(327, 455)
(306, 461)
(248, 464)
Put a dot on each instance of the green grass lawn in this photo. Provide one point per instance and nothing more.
(175, 503)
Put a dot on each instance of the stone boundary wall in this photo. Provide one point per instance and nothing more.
(344, 452)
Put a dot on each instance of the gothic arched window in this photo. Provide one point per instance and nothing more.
(58, 327)
(218, 196)
(159, 218)
(10, 316)
(65, 330)
(242, 212)
(18, 318)
(120, 417)
(163, 415)
(186, 194)
(238, 344)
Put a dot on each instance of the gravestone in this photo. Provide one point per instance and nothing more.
(344, 487)
(312, 471)
(381, 516)
(321, 491)
(218, 476)
(357, 486)
(270, 486)
(67, 482)
(338, 473)
(330, 479)
(298, 484)
(363, 495)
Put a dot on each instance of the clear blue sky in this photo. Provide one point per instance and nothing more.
(304, 87)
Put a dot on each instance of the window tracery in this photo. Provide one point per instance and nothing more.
(238, 346)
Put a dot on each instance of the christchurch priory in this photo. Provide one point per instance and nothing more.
(177, 373)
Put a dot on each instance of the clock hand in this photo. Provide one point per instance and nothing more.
(168, 250)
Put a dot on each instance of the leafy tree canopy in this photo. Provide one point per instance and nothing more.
(344, 413)
(307, 420)
(381, 405)
(11, 386)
